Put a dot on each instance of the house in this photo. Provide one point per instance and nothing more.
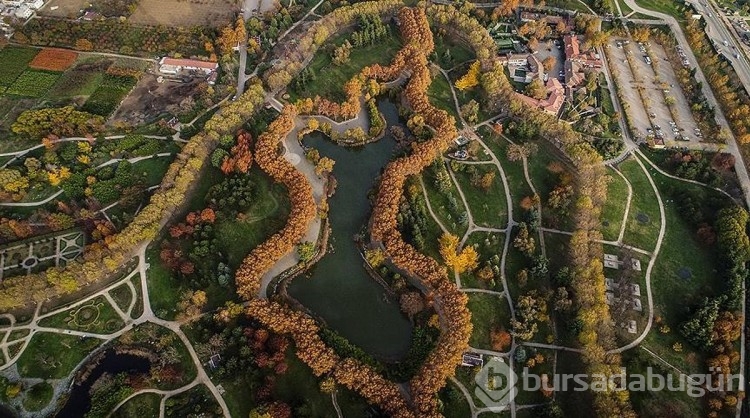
(175, 65)
(35, 4)
(554, 101)
(587, 59)
(472, 360)
(514, 60)
(461, 141)
(24, 12)
(12, 3)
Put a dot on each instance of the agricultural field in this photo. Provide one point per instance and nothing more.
(181, 13)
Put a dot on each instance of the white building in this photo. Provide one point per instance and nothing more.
(24, 12)
(35, 4)
(175, 65)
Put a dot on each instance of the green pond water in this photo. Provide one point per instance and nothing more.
(338, 288)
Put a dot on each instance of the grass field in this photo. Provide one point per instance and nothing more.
(153, 168)
(513, 170)
(488, 245)
(614, 208)
(37, 397)
(123, 296)
(267, 215)
(15, 61)
(440, 203)
(642, 227)
(488, 207)
(144, 405)
(331, 78)
(96, 316)
(456, 52)
(163, 286)
(33, 83)
(669, 7)
(488, 312)
(440, 95)
(53, 356)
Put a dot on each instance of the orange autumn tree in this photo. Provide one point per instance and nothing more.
(240, 157)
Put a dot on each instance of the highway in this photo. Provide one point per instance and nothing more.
(725, 40)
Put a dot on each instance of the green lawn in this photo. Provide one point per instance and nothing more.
(614, 208)
(197, 401)
(441, 97)
(457, 53)
(299, 386)
(330, 79)
(543, 179)
(673, 295)
(122, 296)
(53, 356)
(38, 396)
(15, 61)
(488, 245)
(489, 208)
(145, 405)
(519, 188)
(488, 312)
(96, 316)
(33, 83)
(669, 7)
(266, 216)
(153, 169)
(664, 402)
(432, 231)
(163, 287)
(440, 203)
(642, 228)
(454, 402)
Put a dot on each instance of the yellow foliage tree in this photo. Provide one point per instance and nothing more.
(462, 261)
(471, 78)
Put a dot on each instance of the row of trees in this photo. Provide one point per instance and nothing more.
(303, 206)
(297, 57)
(733, 99)
(586, 253)
(179, 179)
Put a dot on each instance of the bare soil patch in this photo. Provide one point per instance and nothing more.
(150, 99)
(185, 12)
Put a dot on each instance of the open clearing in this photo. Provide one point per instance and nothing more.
(181, 13)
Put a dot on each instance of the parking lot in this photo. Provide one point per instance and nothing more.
(650, 114)
(683, 117)
(626, 83)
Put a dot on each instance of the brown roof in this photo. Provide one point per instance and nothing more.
(179, 62)
(572, 49)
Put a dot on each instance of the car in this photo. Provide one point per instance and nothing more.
(657, 127)
(726, 43)
(649, 130)
(665, 91)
